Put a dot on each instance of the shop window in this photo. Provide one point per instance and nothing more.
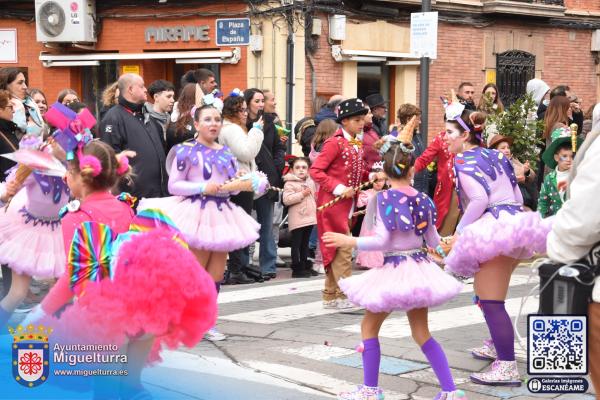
(95, 80)
(178, 70)
(514, 68)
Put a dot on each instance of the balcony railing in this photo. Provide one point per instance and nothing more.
(546, 2)
(537, 8)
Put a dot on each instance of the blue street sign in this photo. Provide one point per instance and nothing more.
(233, 32)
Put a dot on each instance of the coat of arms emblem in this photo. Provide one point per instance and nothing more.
(30, 354)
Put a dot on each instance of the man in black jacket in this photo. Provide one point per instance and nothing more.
(127, 126)
(379, 109)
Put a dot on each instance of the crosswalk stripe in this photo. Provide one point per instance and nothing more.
(395, 328)
(313, 379)
(314, 285)
(263, 292)
(281, 314)
(313, 309)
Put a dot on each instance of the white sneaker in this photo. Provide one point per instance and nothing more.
(344, 304)
(319, 268)
(214, 335)
(330, 304)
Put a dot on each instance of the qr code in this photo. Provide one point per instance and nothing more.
(557, 344)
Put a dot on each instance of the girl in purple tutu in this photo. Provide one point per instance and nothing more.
(209, 222)
(493, 234)
(408, 280)
(30, 235)
(128, 296)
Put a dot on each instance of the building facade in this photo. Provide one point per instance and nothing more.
(156, 42)
(500, 41)
(336, 48)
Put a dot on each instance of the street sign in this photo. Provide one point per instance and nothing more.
(233, 32)
(423, 34)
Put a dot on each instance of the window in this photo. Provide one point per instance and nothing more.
(95, 80)
(514, 68)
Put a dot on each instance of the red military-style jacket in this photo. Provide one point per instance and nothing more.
(339, 163)
(438, 149)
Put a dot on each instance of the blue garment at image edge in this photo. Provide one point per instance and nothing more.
(314, 238)
(268, 251)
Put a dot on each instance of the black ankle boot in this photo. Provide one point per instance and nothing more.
(308, 267)
(298, 271)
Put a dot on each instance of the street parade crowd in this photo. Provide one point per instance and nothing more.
(101, 210)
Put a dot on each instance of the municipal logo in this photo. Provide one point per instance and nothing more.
(30, 355)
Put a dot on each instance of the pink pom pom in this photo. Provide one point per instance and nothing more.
(123, 165)
(360, 347)
(86, 161)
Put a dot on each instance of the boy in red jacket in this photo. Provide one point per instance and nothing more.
(338, 169)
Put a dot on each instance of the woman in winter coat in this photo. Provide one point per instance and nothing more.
(27, 115)
(245, 145)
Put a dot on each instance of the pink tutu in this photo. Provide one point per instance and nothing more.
(159, 289)
(408, 285)
(369, 259)
(207, 225)
(518, 236)
(29, 245)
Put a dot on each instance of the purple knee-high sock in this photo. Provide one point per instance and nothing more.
(437, 358)
(218, 286)
(500, 327)
(371, 357)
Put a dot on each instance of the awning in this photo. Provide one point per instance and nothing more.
(390, 57)
(180, 57)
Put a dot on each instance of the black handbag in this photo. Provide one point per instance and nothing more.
(567, 288)
(285, 235)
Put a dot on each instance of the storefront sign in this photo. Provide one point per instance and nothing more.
(131, 69)
(490, 76)
(8, 46)
(233, 32)
(177, 33)
(423, 34)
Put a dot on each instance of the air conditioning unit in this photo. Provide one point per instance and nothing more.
(65, 21)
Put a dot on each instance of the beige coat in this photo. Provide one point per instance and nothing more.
(302, 210)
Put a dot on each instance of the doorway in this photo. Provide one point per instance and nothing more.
(94, 80)
(373, 78)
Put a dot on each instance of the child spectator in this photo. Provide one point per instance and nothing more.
(299, 196)
(559, 156)
(526, 177)
(371, 259)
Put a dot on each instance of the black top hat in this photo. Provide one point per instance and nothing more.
(374, 100)
(350, 108)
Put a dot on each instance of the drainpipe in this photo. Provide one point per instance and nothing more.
(289, 106)
(424, 85)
